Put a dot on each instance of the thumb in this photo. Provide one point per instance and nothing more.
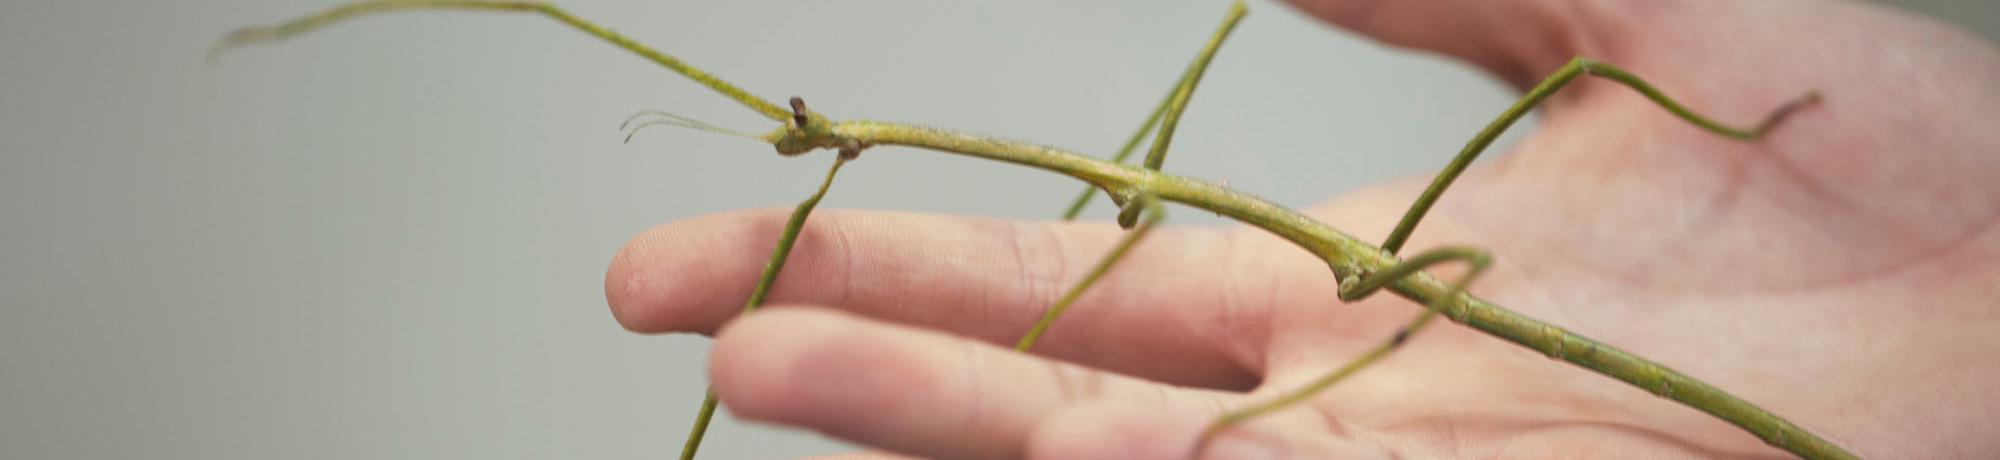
(1516, 40)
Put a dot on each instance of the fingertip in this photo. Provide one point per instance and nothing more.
(754, 362)
(662, 279)
(814, 367)
(627, 287)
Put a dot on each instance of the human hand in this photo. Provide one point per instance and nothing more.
(1838, 272)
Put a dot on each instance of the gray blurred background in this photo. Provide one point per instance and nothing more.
(387, 240)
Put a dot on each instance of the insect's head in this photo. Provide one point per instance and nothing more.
(807, 130)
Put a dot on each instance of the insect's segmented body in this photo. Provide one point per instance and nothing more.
(1361, 268)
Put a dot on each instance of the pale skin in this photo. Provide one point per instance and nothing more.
(1841, 271)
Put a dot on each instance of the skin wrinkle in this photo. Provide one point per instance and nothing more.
(1066, 389)
(1818, 192)
(1452, 442)
(843, 247)
(1530, 53)
(1270, 441)
(1783, 165)
(1333, 424)
(1602, 22)
(1620, 405)
(975, 402)
(1061, 282)
(1816, 188)
(1198, 399)
(1857, 276)
(1024, 278)
(1242, 335)
(1585, 41)
(1920, 258)
(1216, 405)
(1550, 45)
(1505, 430)
(1728, 194)
(1027, 283)
(1088, 313)
(1074, 383)
(1160, 396)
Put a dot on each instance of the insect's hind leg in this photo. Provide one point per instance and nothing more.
(1360, 287)
(1568, 73)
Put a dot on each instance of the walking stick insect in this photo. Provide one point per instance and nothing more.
(1360, 269)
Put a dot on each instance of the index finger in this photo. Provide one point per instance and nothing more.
(1202, 296)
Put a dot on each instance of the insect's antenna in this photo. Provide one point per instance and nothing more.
(671, 119)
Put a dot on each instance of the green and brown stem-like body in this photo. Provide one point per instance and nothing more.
(1346, 256)
(1350, 257)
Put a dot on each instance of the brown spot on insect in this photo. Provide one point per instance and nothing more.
(798, 112)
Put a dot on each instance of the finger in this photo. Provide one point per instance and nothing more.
(1143, 432)
(1201, 296)
(902, 389)
(1518, 40)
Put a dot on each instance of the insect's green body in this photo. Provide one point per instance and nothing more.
(1360, 267)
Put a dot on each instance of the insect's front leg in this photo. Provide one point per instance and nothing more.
(330, 16)
(1154, 213)
(772, 268)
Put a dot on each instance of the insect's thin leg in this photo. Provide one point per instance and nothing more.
(1183, 86)
(1158, 155)
(1169, 114)
(1154, 214)
(1568, 73)
(708, 404)
(764, 282)
(1362, 287)
(260, 34)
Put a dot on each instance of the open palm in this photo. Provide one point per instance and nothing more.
(1840, 273)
